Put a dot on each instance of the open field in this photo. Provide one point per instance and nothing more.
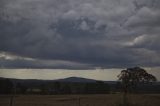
(81, 100)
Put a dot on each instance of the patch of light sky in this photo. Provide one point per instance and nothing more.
(49, 74)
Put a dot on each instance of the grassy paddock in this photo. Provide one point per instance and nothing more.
(81, 100)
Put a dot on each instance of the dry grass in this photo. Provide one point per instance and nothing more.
(85, 100)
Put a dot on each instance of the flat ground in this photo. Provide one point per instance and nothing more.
(81, 100)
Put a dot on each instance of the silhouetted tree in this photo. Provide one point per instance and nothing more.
(131, 77)
(102, 87)
(98, 87)
(43, 88)
(90, 88)
(57, 87)
(21, 88)
(66, 89)
(6, 86)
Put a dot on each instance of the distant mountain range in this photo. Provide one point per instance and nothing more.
(76, 79)
(69, 79)
(154, 87)
(37, 82)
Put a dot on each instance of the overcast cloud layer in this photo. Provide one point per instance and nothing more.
(79, 34)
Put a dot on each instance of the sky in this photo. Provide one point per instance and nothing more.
(79, 35)
(52, 74)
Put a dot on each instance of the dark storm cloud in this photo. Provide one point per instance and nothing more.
(8, 60)
(107, 33)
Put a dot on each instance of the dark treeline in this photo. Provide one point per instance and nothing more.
(9, 86)
(6, 86)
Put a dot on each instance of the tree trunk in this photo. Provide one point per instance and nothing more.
(124, 99)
